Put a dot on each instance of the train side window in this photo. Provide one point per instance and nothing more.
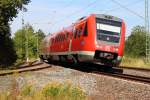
(85, 33)
(63, 37)
(52, 40)
(75, 33)
(56, 39)
(59, 38)
(67, 34)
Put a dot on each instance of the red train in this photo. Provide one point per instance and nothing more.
(95, 38)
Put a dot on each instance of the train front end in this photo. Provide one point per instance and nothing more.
(110, 38)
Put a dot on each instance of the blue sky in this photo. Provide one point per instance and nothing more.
(52, 15)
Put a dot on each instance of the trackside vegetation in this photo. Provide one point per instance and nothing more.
(8, 11)
(51, 91)
(135, 49)
(135, 45)
(27, 36)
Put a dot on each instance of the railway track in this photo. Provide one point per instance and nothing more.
(138, 69)
(140, 79)
(113, 72)
(117, 73)
(25, 68)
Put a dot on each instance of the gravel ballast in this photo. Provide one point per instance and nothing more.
(96, 87)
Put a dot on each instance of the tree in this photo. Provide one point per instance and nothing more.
(8, 10)
(20, 41)
(136, 43)
(7, 52)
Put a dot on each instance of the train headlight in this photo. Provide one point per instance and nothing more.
(116, 49)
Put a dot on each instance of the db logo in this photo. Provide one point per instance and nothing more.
(107, 48)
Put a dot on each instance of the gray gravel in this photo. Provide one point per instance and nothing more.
(97, 87)
(137, 72)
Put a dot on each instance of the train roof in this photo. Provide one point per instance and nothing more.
(108, 17)
(82, 19)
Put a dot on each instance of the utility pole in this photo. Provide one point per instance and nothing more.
(147, 32)
(22, 46)
(37, 45)
(27, 53)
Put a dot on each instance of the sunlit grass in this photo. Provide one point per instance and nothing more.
(51, 91)
(134, 62)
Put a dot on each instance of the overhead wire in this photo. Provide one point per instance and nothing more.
(126, 8)
(77, 11)
(94, 2)
(128, 5)
(68, 5)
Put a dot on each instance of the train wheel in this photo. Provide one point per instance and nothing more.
(49, 60)
(75, 59)
(41, 58)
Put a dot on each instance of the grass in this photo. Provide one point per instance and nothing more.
(134, 62)
(51, 91)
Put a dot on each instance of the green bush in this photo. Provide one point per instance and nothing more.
(52, 91)
(26, 90)
(135, 45)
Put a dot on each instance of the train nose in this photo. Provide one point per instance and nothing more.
(107, 48)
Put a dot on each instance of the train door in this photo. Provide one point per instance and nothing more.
(70, 36)
(77, 37)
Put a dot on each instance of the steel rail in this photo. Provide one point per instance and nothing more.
(33, 67)
(140, 79)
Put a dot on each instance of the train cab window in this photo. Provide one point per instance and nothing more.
(79, 31)
(85, 33)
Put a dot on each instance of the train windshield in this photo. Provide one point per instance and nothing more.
(108, 30)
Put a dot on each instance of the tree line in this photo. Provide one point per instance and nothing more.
(27, 37)
(8, 10)
(135, 45)
(12, 49)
